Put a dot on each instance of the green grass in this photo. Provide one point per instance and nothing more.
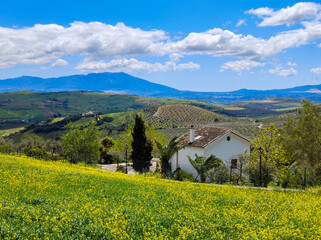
(7, 132)
(48, 200)
(287, 109)
(57, 120)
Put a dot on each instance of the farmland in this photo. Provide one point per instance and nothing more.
(53, 200)
(172, 119)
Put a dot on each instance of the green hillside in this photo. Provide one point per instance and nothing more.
(26, 106)
(52, 200)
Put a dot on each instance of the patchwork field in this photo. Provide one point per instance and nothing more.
(48, 200)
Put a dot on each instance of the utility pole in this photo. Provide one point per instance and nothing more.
(260, 166)
(126, 147)
(305, 177)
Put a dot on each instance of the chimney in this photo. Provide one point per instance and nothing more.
(191, 134)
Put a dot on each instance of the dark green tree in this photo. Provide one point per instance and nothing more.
(106, 144)
(141, 147)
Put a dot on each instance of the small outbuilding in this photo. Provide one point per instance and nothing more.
(224, 143)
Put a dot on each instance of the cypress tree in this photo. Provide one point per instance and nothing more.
(142, 147)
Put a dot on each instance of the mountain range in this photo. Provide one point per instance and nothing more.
(126, 84)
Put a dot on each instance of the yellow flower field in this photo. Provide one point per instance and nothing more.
(48, 200)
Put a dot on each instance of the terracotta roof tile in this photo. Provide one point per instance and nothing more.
(207, 135)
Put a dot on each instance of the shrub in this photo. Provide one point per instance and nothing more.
(5, 147)
(108, 119)
(181, 175)
(37, 153)
(219, 175)
(120, 168)
(253, 171)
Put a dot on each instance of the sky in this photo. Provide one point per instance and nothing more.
(204, 45)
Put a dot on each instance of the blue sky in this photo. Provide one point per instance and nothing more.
(190, 45)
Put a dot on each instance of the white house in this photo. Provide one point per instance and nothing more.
(224, 143)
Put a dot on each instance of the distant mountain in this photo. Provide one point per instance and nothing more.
(127, 84)
(97, 82)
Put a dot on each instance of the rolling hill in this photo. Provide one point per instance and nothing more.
(26, 106)
(125, 83)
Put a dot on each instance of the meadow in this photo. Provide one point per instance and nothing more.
(53, 200)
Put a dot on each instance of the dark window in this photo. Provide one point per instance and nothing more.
(228, 138)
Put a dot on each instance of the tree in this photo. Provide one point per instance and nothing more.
(203, 165)
(81, 145)
(5, 147)
(106, 144)
(141, 147)
(301, 137)
(166, 152)
(242, 161)
(126, 138)
(54, 147)
(267, 155)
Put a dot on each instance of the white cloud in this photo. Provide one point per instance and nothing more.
(44, 43)
(220, 42)
(260, 12)
(241, 22)
(175, 57)
(289, 15)
(316, 70)
(283, 72)
(59, 63)
(96, 41)
(132, 64)
(291, 64)
(237, 66)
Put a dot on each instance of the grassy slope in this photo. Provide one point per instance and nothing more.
(59, 201)
(16, 106)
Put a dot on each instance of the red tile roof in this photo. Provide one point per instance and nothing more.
(207, 135)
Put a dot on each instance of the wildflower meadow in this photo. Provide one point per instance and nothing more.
(54, 200)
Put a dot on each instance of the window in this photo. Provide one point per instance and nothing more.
(228, 138)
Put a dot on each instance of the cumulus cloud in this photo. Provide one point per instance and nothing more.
(316, 70)
(59, 63)
(96, 41)
(132, 64)
(225, 43)
(238, 66)
(289, 15)
(283, 72)
(260, 12)
(44, 43)
(241, 22)
(291, 64)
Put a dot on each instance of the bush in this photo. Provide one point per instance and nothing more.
(219, 175)
(108, 119)
(181, 175)
(37, 153)
(107, 159)
(5, 148)
(253, 171)
(120, 168)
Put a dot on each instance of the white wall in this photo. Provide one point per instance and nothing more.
(226, 150)
(183, 161)
(221, 148)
